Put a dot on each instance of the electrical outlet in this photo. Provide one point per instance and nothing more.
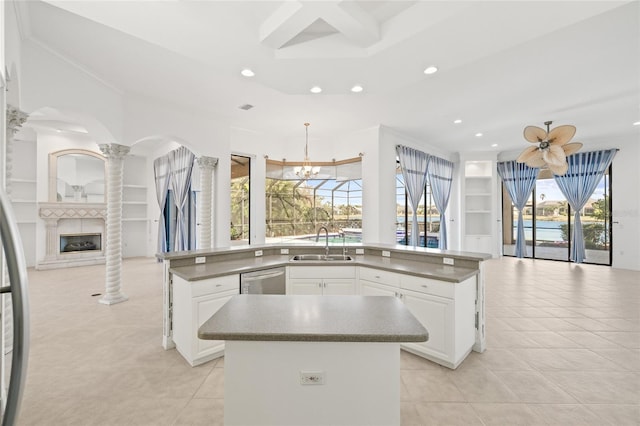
(386, 253)
(359, 251)
(201, 259)
(284, 251)
(447, 261)
(312, 377)
(258, 253)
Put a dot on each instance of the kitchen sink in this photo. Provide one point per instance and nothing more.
(320, 257)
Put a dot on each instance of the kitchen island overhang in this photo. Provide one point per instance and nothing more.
(348, 345)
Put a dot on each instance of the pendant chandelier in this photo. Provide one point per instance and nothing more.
(552, 149)
(306, 171)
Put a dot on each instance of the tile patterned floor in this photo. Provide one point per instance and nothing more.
(563, 349)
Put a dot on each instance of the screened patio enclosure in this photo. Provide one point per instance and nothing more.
(297, 207)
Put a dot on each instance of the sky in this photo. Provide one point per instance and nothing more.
(551, 192)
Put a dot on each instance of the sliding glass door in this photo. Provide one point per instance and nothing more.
(548, 222)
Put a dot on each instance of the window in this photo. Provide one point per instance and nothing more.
(171, 216)
(240, 191)
(296, 208)
(548, 222)
(428, 215)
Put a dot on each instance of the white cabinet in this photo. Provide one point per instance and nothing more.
(318, 280)
(445, 309)
(480, 230)
(194, 302)
(448, 311)
(433, 313)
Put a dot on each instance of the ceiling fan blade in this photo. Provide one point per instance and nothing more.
(532, 157)
(554, 155)
(534, 134)
(559, 169)
(571, 148)
(561, 134)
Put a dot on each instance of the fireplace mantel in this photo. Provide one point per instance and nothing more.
(72, 210)
(70, 218)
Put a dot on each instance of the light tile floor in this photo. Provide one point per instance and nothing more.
(563, 348)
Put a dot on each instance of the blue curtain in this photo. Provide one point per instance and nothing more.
(181, 166)
(519, 179)
(440, 179)
(585, 171)
(162, 174)
(414, 171)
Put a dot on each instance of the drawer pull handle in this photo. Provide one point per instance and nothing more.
(377, 276)
(425, 286)
(218, 285)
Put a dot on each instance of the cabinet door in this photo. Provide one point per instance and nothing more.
(436, 315)
(300, 286)
(205, 307)
(338, 287)
(368, 288)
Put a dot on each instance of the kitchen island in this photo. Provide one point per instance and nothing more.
(443, 289)
(311, 360)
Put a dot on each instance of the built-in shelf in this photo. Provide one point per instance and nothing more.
(478, 205)
(134, 219)
(18, 180)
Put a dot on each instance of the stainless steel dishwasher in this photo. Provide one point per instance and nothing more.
(265, 281)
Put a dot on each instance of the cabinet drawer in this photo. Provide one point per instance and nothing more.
(380, 276)
(215, 285)
(428, 286)
(329, 271)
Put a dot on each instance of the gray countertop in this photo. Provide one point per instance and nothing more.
(412, 267)
(314, 319)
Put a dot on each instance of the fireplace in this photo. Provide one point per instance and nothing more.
(73, 234)
(70, 243)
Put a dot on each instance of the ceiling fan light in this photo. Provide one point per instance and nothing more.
(559, 169)
(554, 155)
(571, 148)
(528, 153)
(561, 134)
(534, 134)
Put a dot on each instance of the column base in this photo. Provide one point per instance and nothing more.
(112, 299)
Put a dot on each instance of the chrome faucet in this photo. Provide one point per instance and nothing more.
(326, 244)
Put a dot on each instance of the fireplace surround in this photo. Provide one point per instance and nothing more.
(74, 234)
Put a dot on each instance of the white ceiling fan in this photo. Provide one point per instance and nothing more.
(552, 148)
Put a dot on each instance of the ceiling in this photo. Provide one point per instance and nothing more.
(502, 65)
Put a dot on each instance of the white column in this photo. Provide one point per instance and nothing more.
(115, 164)
(53, 243)
(15, 119)
(206, 165)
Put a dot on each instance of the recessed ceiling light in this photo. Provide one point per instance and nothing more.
(493, 145)
(478, 135)
(457, 121)
(357, 88)
(247, 72)
(316, 89)
(431, 70)
(637, 123)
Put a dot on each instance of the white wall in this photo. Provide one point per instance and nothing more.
(48, 80)
(625, 197)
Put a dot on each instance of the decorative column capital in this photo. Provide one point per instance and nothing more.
(114, 150)
(15, 119)
(207, 162)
